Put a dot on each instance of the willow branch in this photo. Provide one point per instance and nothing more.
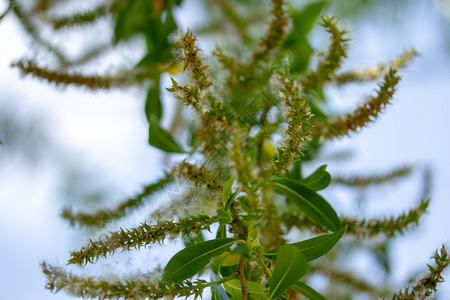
(275, 34)
(364, 181)
(332, 61)
(427, 286)
(137, 237)
(146, 287)
(376, 73)
(388, 227)
(82, 18)
(298, 133)
(92, 82)
(364, 114)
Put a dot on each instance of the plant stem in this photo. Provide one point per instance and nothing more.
(242, 279)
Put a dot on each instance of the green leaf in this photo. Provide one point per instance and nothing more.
(312, 204)
(315, 247)
(161, 139)
(291, 266)
(307, 291)
(153, 106)
(256, 290)
(226, 192)
(242, 250)
(296, 172)
(318, 180)
(132, 18)
(221, 232)
(214, 295)
(192, 259)
(304, 20)
(224, 217)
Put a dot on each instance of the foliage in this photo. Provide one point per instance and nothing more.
(260, 117)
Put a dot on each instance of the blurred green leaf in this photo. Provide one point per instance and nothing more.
(132, 18)
(192, 259)
(224, 217)
(161, 139)
(312, 204)
(226, 192)
(153, 106)
(256, 290)
(291, 266)
(221, 232)
(242, 250)
(315, 247)
(307, 291)
(318, 180)
(305, 19)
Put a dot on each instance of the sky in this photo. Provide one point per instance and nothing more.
(99, 141)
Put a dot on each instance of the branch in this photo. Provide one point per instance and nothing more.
(276, 33)
(297, 135)
(192, 61)
(377, 72)
(428, 284)
(363, 115)
(76, 79)
(332, 60)
(146, 287)
(140, 236)
(364, 181)
(82, 18)
(364, 228)
(387, 226)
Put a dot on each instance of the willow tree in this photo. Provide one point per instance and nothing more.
(253, 222)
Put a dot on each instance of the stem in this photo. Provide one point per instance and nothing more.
(263, 264)
(242, 279)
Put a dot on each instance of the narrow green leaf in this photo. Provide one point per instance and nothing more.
(226, 192)
(221, 232)
(224, 217)
(132, 18)
(304, 20)
(312, 204)
(174, 83)
(291, 266)
(230, 200)
(153, 106)
(214, 295)
(161, 139)
(307, 291)
(318, 180)
(256, 290)
(315, 247)
(192, 259)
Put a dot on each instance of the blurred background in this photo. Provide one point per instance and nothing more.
(67, 146)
